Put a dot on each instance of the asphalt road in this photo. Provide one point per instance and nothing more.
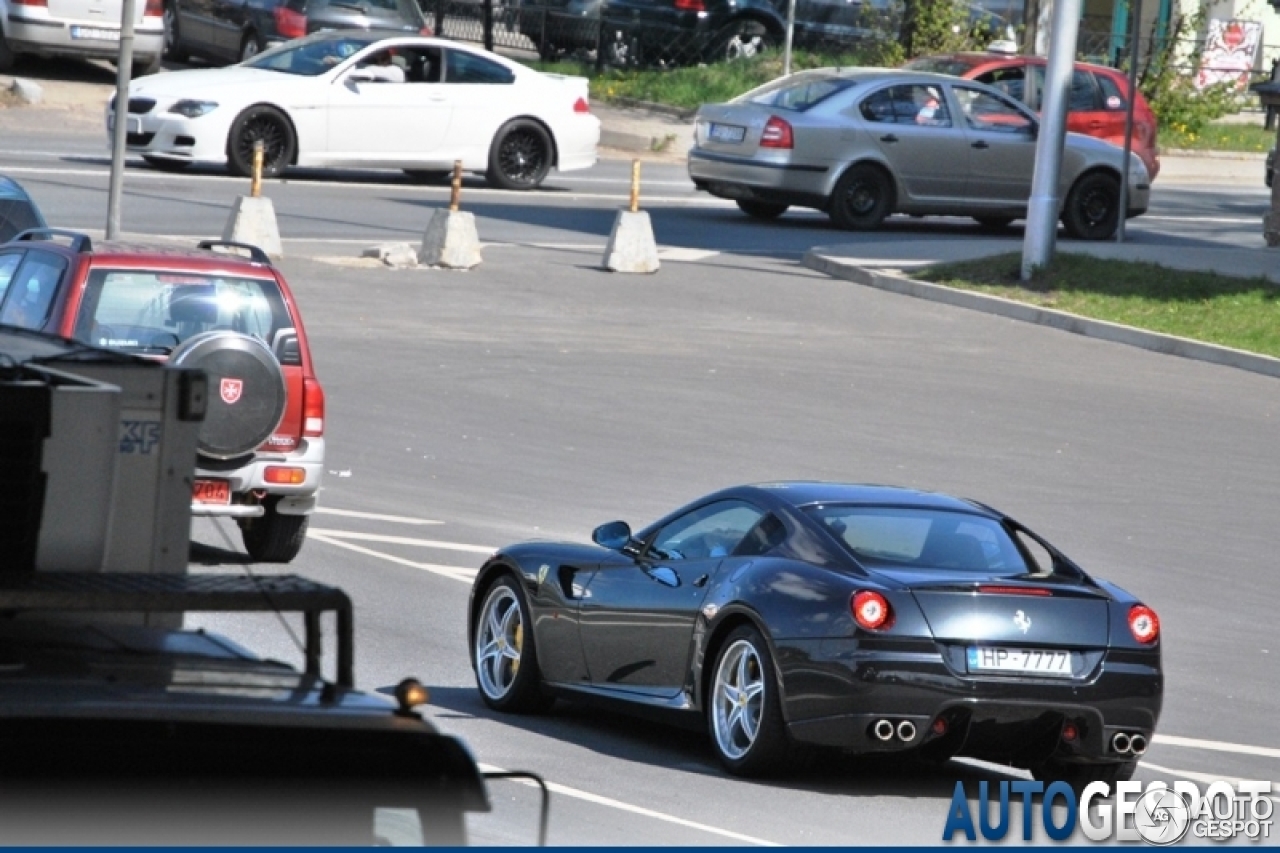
(537, 396)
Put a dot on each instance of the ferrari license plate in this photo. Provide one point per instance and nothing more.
(1027, 661)
(727, 133)
(211, 492)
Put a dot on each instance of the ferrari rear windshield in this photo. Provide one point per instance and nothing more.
(799, 92)
(150, 311)
(913, 537)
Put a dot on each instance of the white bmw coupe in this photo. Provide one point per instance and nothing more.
(367, 99)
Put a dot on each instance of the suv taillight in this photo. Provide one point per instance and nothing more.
(777, 134)
(312, 407)
(290, 24)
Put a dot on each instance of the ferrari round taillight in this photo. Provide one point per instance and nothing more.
(871, 610)
(1144, 624)
(777, 134)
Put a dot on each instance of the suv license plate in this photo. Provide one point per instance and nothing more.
(211, 492)
(727, 133)
(1025, 661)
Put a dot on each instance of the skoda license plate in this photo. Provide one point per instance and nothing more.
(1023, 661)
(727, 133)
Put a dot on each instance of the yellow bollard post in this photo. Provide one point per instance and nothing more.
(455, 192)
(255, 188)
(635, 185)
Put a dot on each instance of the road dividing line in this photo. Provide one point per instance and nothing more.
(586, 796)
(403, 540)
(1204, 778)
(1217, 746)
(351, 513)
(457, 573)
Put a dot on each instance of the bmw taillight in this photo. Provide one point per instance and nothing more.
(871, 610)
(290, 24)
(777, 134)
(312, 407)
(1144, 624)
(691, 5)
(581, 106)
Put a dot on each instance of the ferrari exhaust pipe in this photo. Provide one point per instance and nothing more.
(907, 731)
(1121, 743)
(883, 730)
(1137, 744)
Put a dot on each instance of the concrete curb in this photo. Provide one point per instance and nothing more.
(1167, 344)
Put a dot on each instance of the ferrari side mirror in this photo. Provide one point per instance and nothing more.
(614, 535)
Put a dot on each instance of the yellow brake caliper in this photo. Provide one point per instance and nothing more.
(515, 664)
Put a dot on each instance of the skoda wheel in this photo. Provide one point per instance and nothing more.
(743, 707)
(520, 156)
(1092, 211)
(505, 658)
(862, 199)
(271, 127)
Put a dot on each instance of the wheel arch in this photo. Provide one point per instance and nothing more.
(497, 567)
(727, 620)
(293, 128)
(875, 163)
(1097, 169)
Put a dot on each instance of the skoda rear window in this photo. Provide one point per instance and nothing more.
(912, 537)
(153, 312)
(798, 93)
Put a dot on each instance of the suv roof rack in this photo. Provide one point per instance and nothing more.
(78, 242)
(255, 253)
(127, 591)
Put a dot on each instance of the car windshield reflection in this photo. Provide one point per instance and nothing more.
(313, 55)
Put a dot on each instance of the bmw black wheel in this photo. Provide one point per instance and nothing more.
(862, 199)
(505, 658)
(762, 209)
(271, 127)
(1092, 211)
(744, 710)
(520, 156)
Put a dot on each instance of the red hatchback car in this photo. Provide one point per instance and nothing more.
(1097, 106)
(261, 446)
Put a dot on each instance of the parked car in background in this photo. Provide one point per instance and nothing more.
(864, 143)
(84, 29)
(1098, 99)
(316, 102)
(17, 211)
(261, 445)
(227, 31)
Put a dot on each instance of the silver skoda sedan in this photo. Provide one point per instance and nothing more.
(864, 143)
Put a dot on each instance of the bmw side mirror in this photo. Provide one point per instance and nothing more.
(615, 535)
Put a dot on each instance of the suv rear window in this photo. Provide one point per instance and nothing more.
(152, 311)
(799, 92)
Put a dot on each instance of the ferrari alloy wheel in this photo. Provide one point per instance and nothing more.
(271, 127)
(1092, 211)
(506, 663)
(863, 197)
(745, 714)
(520, 156)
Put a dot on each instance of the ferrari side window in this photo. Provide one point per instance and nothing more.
(708, 532)
(1039, 558)
(768, 534)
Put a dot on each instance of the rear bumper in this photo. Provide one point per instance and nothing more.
(780, 180)
(249, 487)
(30, 33)
(836, 692)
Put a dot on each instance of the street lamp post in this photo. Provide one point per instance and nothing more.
(120, 113)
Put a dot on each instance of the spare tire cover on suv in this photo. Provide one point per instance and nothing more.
(246, 391)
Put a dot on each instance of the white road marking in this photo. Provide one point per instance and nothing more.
(1205, 778)
(1217, 746)
(351, 513)
(456, 573)
(1213, 220)
(675, 253)
(404, 540)
(586, 796)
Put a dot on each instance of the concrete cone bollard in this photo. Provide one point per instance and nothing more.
(253, 218)
(450, 240)
(631, 246)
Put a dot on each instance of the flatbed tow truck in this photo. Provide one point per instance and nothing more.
(120, 727)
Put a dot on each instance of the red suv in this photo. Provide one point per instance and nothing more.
(228, 312)
(1096, 108)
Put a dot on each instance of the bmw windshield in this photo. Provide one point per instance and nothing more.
(313, 55)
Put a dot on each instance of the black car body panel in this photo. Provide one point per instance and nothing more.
(18, 212)
(632, 626)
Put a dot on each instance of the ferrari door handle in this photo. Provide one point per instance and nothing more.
(888, 137)
(981, 143)
(701, 580)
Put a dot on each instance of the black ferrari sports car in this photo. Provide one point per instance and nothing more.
(868, 618)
